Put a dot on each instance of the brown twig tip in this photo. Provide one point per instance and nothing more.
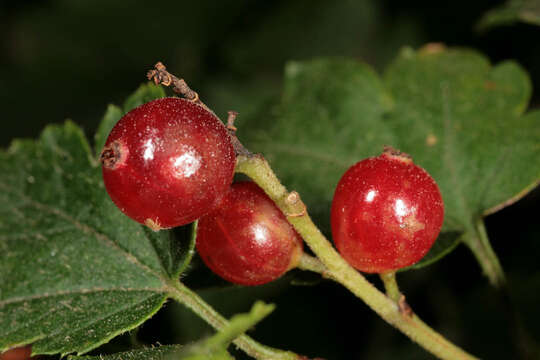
(159, 66)
(160, 75)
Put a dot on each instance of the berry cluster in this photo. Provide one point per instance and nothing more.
(171, 161)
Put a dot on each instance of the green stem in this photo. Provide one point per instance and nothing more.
(257, 168)
(194, 302)
(311, 263)
(480, 246)
(391, 286)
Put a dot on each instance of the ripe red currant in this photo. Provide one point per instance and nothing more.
(248, 240)
(19, 353)
(386, 213)
(167, 162)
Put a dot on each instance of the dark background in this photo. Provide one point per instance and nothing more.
(69, 59)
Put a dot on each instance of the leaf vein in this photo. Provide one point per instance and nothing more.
(81, 226)
(77, 291)
(449, 145)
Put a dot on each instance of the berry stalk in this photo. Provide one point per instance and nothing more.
(257, 168)
(390, 285)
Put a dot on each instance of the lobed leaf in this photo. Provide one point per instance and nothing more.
(459, 117)
(463, 121)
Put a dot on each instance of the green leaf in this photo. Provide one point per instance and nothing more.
(458, 116)
(145, 93)
(111, 117)
(462, 120)
(75, 271)
(213, 348)
(526, 11)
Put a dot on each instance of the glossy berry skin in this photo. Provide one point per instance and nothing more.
(386, 213)
(19, 353)
(248, 240)
(168, 162)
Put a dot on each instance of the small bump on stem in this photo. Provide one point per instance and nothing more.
(404, 307)
(294, 201)
(230, 120)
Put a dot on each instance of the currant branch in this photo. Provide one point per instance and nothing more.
(391, 307)
(395, 313)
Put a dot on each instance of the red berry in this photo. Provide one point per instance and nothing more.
(167, 162)
(19, 353)
(248, 240)
(386, 213)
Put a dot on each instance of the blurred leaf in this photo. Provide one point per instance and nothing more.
(460, 118)
(527, 11)
(75, 271)
(214, 348)
(111, 117)
(145, 93)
